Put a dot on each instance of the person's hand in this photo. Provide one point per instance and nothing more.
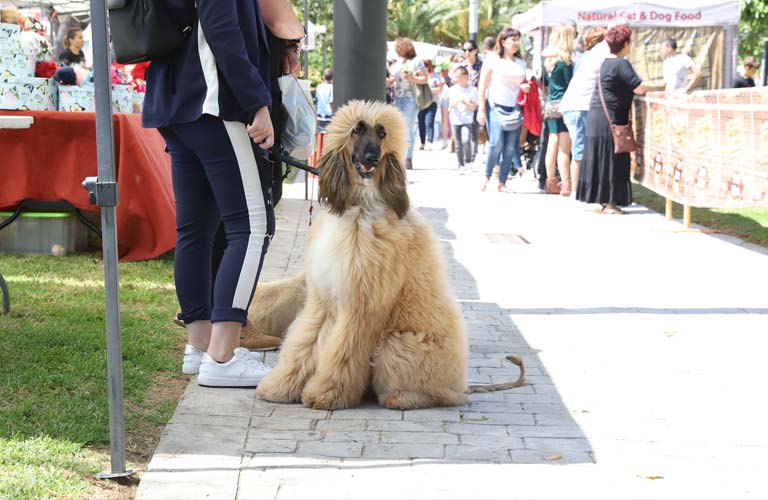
(481, 117)
(291, 64)
(260, 131)
(525, 87)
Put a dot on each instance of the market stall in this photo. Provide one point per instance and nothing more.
(706, 30)
(48, 161)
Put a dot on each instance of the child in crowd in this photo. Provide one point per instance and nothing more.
(462, 102)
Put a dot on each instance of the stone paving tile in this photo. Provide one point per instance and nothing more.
(340, 449)
(344, 425)
(474, 453)
(405, 426)
(498, 418)
(296, 411)
(294, 424)
(270, 446)
(439, 415)
(354, 437)
(217, 401)
(476, 428)
(211, 420)
(419, 437)
(367, 414)
(403, 451)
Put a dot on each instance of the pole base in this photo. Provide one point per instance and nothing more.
(114, 475)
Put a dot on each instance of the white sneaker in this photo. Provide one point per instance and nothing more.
(243, 370)
(192, 358)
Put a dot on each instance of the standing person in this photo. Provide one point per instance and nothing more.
(501, 80)
(475, 65)
(427, 115)
(73, 45)
(407, 71)
(676, 68)
(210, 101)
(605, 174)
(324, 96)
(748, 70)
(557, 71)
(489, 48)
(462, 103)
(576, 99)
(445, 122)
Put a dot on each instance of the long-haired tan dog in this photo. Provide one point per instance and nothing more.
(372, 308)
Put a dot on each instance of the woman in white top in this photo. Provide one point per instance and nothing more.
(408, 71)
(501, 81)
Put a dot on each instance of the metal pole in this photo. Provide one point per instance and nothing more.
(103, 192)
(764, 64)
(473, 20)
(306, 40)
(360, 41)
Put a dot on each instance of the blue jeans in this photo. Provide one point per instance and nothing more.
(503, 148)
(407, 106)
(427, 123)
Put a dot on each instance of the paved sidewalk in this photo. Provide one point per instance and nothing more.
(645, 347)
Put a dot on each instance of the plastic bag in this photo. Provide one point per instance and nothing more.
(298, 137)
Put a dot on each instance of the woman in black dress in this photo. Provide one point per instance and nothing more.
(605, 174)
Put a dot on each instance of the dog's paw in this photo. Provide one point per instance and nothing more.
(277, 389)
(325, 395)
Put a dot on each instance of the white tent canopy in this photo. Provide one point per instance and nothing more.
(681, 13)
(60, 6)
(658, 15)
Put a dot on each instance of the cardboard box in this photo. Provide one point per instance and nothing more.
(43, 233)
(37, 94)
(74, 98)
(16, 64)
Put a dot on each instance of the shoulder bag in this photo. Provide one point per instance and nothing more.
(509, 117)
(623, 135)
(423, 94)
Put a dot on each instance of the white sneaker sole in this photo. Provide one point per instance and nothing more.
(209, 381)
(190, 369)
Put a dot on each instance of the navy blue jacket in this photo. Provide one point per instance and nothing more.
(222, 70)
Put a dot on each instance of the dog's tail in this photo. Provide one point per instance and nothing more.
(517, 360)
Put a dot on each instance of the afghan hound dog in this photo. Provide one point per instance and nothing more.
(372, 309)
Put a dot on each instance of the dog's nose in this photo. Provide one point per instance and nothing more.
(371, 157)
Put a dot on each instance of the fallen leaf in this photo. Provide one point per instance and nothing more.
(654, 478)
(553, 457)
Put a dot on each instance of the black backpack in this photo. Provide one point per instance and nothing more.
(143, 30)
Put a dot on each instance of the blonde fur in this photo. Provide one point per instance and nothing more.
(377, 312)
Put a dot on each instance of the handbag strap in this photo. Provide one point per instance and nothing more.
(602, 98)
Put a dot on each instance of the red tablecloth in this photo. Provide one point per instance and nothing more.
(50, 160)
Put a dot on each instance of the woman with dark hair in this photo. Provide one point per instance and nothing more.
(605, 174)
(73, 44)
(501, 80)
(406, 72)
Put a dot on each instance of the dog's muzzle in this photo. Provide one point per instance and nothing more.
(366, 168)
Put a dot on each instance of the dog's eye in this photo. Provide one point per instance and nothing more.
(359, 129)
(381, 132)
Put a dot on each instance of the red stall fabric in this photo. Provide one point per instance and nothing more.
(49, 161)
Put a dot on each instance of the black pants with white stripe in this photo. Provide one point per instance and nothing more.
(219, 175)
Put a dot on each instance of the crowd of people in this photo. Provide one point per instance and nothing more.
(584, 84)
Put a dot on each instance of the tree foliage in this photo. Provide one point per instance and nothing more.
(753, 29)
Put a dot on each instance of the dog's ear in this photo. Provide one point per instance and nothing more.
(334, 180)
(392, 186)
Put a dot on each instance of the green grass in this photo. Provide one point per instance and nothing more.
(54, 415)
(749, 224)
